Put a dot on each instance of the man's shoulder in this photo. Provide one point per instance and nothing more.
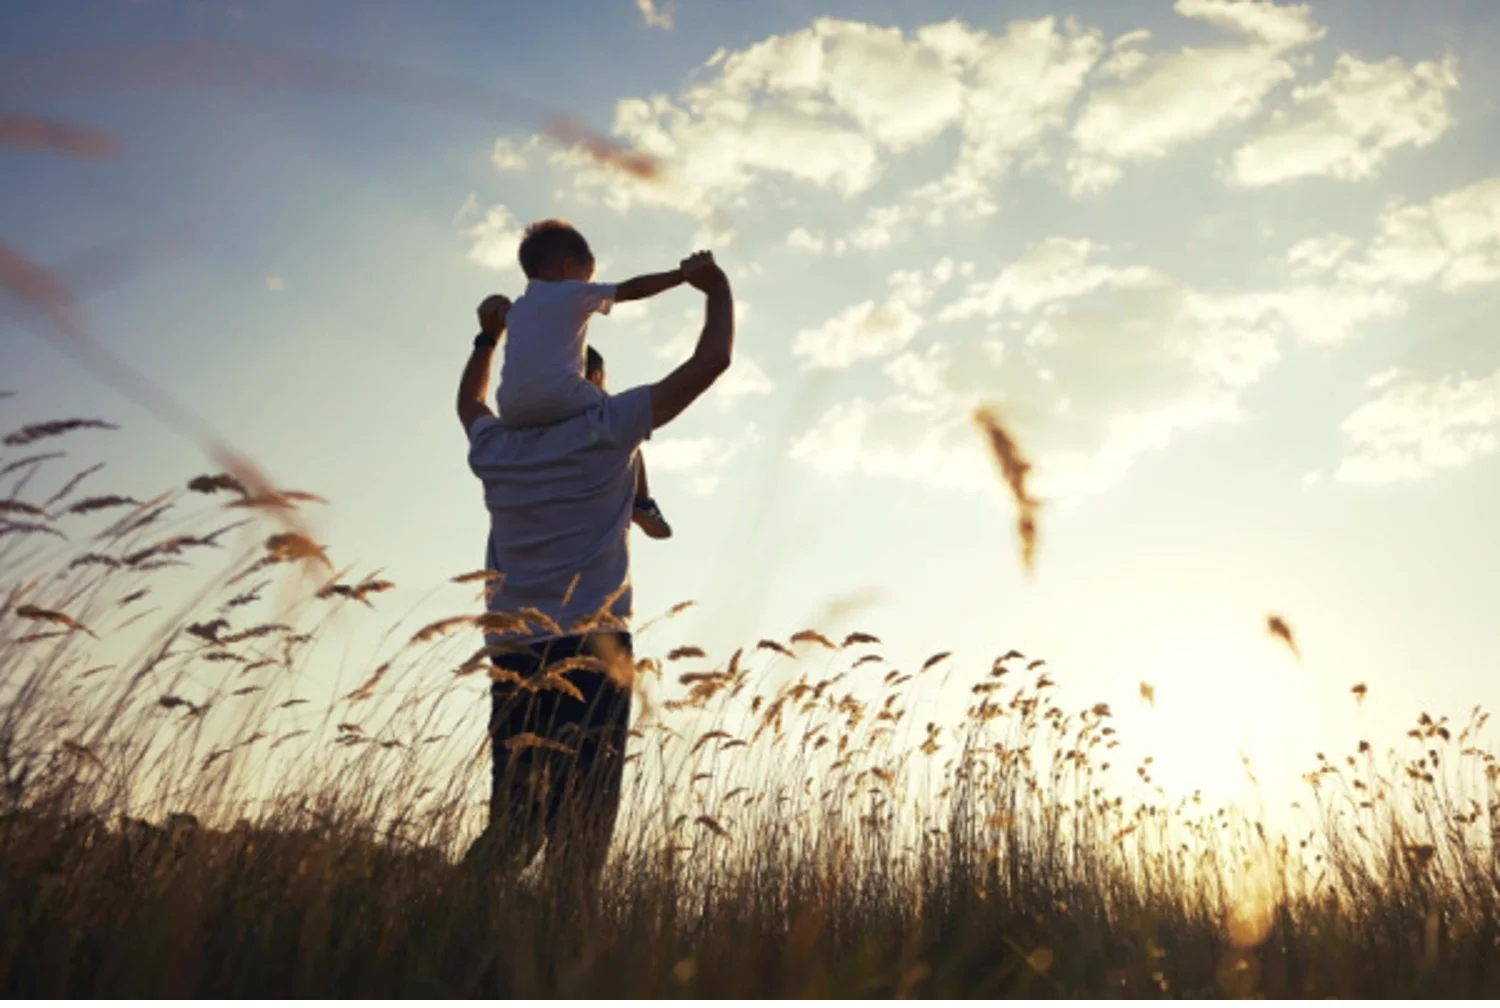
(627, 415)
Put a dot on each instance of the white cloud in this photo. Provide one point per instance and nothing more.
(1317, 256)
(895, 438)
(1099, 365)
(1051, 270)
(1068, 475)
(744, 378)
(829, 105)
(873, 329)
(878, 230)
(1331, 313)
(714, 154)
(899, 92)
(494, 238)
(926, 376)
(883, 226)
(684, 337)
(1283, 26)
(466, 212)
(670, 454)
(1322, 309)
(699, 463)
(506, 156)
(902, 437)
(864, 330)
(630, 311)
(705, 484)
(656, 16)
(806, 241)
(1107, 363)
(1232, 339)
(1452, 240)
(916, 287)
(1021, 85)
(1346, 126)
(1098, 361)
(1167, 99)
(1415, 429)
(1409, 249)
(688, 327)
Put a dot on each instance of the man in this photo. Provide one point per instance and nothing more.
(560, 499)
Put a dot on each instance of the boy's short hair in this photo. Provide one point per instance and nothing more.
(594, 362)
(549, 242)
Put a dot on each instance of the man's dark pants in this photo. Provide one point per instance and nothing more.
(558, 754)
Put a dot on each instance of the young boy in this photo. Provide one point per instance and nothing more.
(544, 377)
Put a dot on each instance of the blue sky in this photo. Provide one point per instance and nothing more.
(1227, 268)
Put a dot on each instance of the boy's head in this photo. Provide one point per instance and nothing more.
(593, 369)
(554, 250)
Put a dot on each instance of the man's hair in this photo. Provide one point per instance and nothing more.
(595, 362)
(548, 243)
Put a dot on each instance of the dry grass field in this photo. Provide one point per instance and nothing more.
(190, 807)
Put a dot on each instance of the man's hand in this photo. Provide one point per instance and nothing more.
(493, 311)
(700, 270)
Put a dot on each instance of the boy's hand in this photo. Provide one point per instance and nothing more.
(492, 314)
(700, 270)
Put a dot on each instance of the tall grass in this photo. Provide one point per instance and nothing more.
(200, 798)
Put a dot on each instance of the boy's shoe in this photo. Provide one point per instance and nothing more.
(649, 517)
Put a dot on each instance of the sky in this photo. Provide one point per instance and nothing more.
(1226, 268)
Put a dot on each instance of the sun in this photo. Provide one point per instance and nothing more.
(1224, 712)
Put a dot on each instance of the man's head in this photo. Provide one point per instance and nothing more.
(554, 250)
(593, 369)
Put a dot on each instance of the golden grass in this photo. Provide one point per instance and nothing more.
(210, 813)
(50, 429)
(1015, 469)
(570, 132)
(1278, 627)
(37, 613)
(36, 134)
(91, 504)
(812, 637)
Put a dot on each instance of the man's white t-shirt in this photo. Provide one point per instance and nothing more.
(560, 500)
(542, 374)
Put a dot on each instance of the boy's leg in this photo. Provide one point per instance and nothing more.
(646, 514)
(556, 403)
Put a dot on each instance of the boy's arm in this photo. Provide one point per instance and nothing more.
(646, 286)
(474, 385)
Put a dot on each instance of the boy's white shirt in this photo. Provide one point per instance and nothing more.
(546, 338)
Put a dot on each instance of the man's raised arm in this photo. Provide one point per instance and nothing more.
(715, 349)
(474, 386)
